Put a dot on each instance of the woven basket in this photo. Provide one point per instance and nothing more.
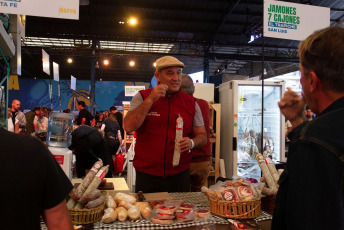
(268, 204)
(235, 209)
(87, 216)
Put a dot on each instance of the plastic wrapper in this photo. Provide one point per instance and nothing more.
(183, 215)
(124, 197)
(109, 215)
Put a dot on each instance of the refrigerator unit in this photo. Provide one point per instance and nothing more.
(241, 126)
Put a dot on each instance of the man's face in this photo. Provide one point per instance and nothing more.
(80, 107)
(171, 77)
(16, 105)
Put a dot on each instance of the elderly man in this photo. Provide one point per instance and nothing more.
(200, 163)
(153, 114)
(20, 116)
(311, 192)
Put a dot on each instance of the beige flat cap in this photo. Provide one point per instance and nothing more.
(167, 61)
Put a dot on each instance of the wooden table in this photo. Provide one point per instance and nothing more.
(119, 185)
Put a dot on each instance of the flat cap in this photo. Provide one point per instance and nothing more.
(167, 61)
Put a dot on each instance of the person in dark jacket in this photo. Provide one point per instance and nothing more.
(311, 192)
(112, 136)
(88, 145)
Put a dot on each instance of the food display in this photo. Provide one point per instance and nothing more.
(270, 174)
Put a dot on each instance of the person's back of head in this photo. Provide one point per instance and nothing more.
(113, 109)
(187, 85)
(323, 53)
(112, 117)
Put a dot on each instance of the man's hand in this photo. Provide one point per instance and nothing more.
(292, 106)
(157, 92)
(185, 144)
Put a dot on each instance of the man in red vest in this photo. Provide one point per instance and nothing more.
(200, 164)
(153, 114)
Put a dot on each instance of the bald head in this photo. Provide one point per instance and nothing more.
(15, 105)
(187, 85)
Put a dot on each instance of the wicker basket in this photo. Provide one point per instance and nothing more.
(268, 204)
(235, 209)
(87, 216)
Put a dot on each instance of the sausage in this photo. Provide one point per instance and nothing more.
(272, 168)
(76, 194)
(179, 135)
(91, 196)
(96, 202)
(71, 203)
(266, 172)
(96, 180)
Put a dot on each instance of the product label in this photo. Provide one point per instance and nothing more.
(179, 125)
(96, 167)
(268, 160)
(59, 159)
(101, 174)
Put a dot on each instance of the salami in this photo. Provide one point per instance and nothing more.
(96, 202)
(91, 196)
(71, 203)
(77, 193)
(96, 180)
(266, 172)
(179, 135)
(272, 168)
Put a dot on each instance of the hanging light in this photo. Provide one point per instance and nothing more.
(131, 63)
(69, 60)
(132, 21)
(106, 62)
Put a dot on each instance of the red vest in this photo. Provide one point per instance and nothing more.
(204, 153)
(155, 138)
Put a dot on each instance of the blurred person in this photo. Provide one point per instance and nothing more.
(119, 118)
(311, 194)
(34, 185)
(40, 124)
(85, 117)
(99, 120)
(153, 114)
(10, 127)
(201, 158)
(106, 114)
(112, 136)
(30, 116)
(66, 111)
(20, 116)
(309, 114)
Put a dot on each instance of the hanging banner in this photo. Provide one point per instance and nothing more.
(56, 71)
(293, 21)
(130, 91)
(67, 9)
(46, 62)
(72, 82)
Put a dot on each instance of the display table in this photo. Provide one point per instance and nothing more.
(198, 199)
(119, 185)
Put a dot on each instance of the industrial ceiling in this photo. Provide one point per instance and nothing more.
(195, 31)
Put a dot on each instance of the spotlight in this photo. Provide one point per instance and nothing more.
(69, 60)
(154, 64)
(132, 21)
(131, 63)
(106, 62)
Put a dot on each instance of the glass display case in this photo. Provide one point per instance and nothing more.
(242, 133)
